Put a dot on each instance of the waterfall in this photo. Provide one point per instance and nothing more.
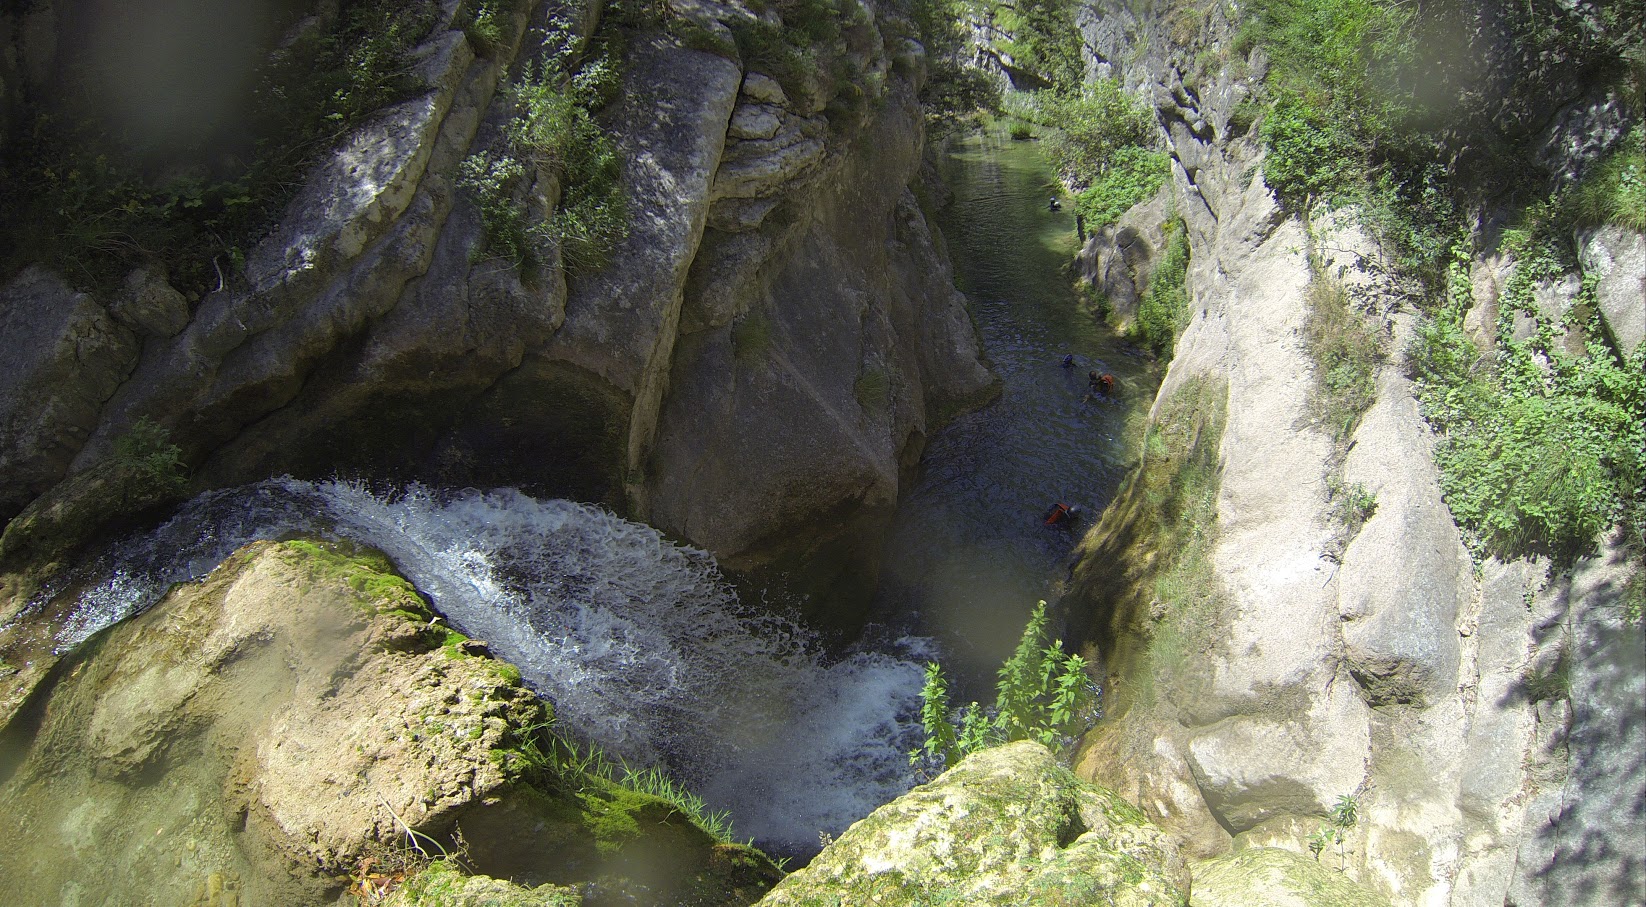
(641, 645)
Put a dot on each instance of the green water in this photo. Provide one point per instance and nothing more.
(970, 553)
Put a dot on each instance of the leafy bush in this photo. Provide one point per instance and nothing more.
(1615, 193)
(1541, 449)
(147, 451)
(553, 130)
(1041, 39)
(1163, 312)
(1133, 175)
(1312, 152)
(1092, 126)
(1043, 694)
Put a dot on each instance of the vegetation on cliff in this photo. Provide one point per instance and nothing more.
(92, 198)
(1541, 447)
(552, 132)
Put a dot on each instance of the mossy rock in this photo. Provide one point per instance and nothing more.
(442, 884)
(1279, 878)
(1007, 826)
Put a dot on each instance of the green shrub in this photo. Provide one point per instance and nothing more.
(1163, 312)
(1615, 192)
(1133, 175)
(1043, 694)
(1346, 352)
(1312, 152)
(1541, 449)
(1091, 126)
(553, 130)
(147, 451)
(1041, 39)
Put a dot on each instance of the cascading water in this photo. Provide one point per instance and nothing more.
(641, 645)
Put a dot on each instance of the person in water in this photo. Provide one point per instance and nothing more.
(1054, 204)
(1062, 514)
(1068, 361)
(1101, 385)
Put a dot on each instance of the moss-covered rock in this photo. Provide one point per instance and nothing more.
(1278, 878)
(443, 885)
(284, 727)
(1007, 826)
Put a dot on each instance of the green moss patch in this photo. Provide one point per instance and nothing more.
(1144, 575)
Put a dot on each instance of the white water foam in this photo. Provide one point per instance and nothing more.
(640, 643)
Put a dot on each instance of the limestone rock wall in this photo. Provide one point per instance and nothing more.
(1390, 669)
(368, 333)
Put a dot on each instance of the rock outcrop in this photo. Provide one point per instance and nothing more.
(1006, 826)
(285, 726)
(1278, 878)
(1377, 662)
(367, 331)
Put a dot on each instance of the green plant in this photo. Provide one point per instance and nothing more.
(1133, 174)
(1163, 312)
(146, 450)
(1615, 192)
(1346, 351)
(1043, 694)
(1344, 814)
(1091, 125)
(80, 193)
(1041, 40)
(1541, 448)
(1352, 504)
(657, 783)
(873, 389)
(553, 131)
(1021, 132)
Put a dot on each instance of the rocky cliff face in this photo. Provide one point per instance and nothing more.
(1377, 662)
(763, 353)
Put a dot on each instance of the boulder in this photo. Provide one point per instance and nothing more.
(1405, 572)
(62, 359)
(755, 121)
(1007, 826)
(1275, 878)
(1253, 768)
(149, 305)
(1118, 259)
(1616, 258)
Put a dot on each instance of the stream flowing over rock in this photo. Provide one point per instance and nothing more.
(706, 380)
(1377, 664)
(263, 735)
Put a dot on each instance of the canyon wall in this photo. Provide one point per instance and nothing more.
(763, 354)
(1378, 662)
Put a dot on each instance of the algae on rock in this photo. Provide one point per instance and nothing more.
(1007, 826)
(278, 724)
